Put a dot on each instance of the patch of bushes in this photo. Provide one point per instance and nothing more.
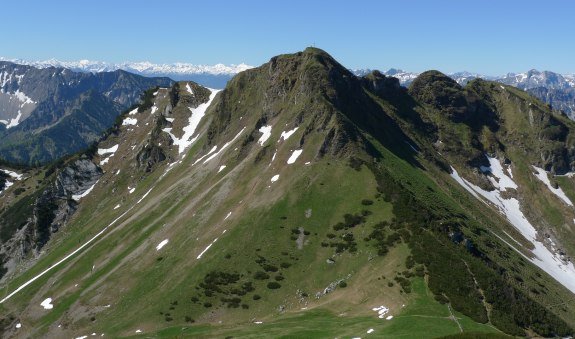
(367, 202)
(452, 267)
(272, 285)
(259, 275)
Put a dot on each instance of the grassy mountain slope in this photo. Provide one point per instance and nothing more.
(307, 198)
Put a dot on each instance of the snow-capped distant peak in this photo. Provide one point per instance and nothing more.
(142, 67)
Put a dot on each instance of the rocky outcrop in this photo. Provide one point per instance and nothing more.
(50, 210)
(54, 112)
(76, 178)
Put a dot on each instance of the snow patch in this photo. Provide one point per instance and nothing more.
(16, 121)
(58, 263)
(117, 206)
(221, 168)
(129, 121)
(197, 114)
(154, 108)
(381, 311)
(162, 244)
(105, 161)
(224, 146)
(189, 89)
(77, 197)
(266, 134)
(47, 304)
(294, 156)
(113, 149)
(560, 270)
(371, 330)
(389, 317)
(144, 196)
(18, 325)
(205, 155)
(542, 175)
(134, 111)
(14, 175)
(131, 190)
(286, 135)
(275, 178)
(504, 182)
(227, 216)
(206, 249)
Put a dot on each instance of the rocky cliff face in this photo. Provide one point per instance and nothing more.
(51, 112)
(44, 213)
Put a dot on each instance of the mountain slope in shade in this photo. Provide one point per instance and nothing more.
(303, 200)
(213, 76)
(51, 112)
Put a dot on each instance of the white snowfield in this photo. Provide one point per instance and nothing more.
(207, 248)
(103, 151)
(197, 114)
(542, 175)
(111, 151)
(47, 304)
(77, 197)
(205, 155)
(381, 311)
(162, 244)
(13, 174)
(550, 262)
(497, 171)
(189, 88)
(294, 156)
(266, 134)
(224, 146)
(286, 135)
(144, 196)
(15, 121)
(275, 178)
(18, 95)
(130, 121)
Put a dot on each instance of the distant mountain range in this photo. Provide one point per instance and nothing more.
(555, 89)
(214, 76)
(51, 112)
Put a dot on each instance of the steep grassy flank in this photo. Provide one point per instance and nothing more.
(230, 233)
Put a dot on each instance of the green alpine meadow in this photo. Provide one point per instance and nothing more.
(300, 201)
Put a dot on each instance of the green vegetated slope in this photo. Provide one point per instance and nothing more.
(279, 245)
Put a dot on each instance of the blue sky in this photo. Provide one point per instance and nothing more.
(490, 36)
